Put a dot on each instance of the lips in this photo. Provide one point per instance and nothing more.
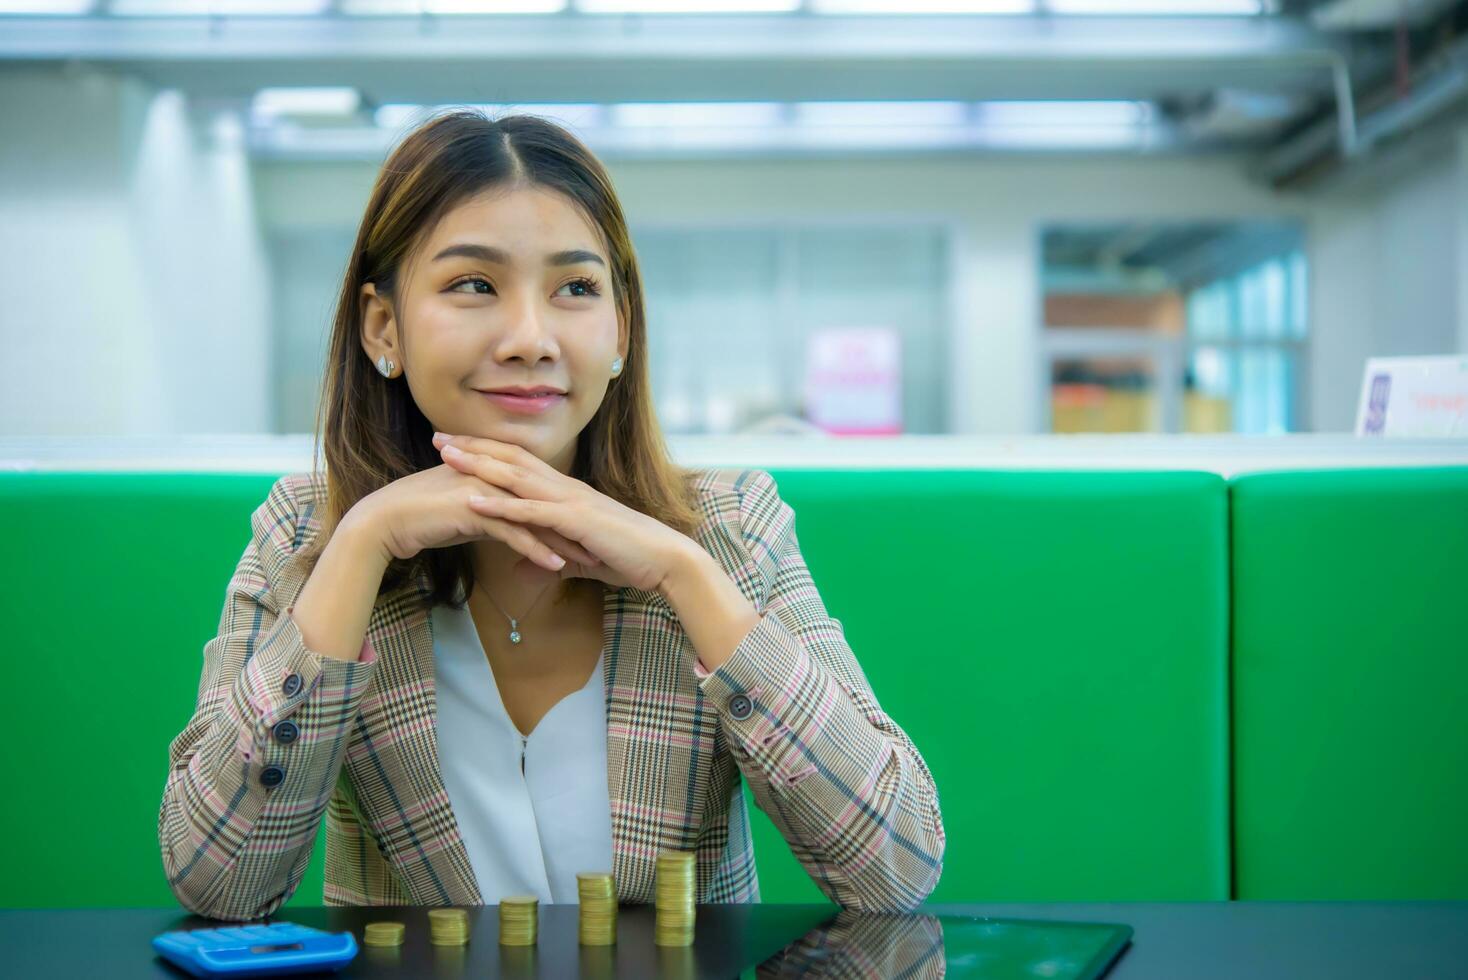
(533, 404)
(537, 390)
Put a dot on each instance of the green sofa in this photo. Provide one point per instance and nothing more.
(1129, 685)
(1350, 679)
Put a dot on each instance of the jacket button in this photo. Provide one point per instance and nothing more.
(286, 732)
(272, 776)
(292, 685)
(741, 707)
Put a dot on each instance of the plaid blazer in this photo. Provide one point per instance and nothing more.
(246, 792)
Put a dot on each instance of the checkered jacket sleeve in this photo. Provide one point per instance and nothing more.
(863, 946)
(235, 847)
(841, 780)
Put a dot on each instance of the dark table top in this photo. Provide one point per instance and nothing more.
(1178, 939)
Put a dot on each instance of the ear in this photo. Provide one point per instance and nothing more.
(379, 326)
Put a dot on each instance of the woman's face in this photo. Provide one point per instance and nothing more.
(510, 289)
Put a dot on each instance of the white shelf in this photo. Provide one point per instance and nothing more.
(1224, 454)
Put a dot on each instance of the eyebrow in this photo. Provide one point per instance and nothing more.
(488, 253)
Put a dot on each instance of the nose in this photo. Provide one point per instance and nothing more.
(527, 332)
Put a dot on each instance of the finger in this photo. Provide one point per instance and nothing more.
(553, 483)
(507, 452)
(577, 570)
(566, 548)
(541, 513)
(524, 540)
(509, 476)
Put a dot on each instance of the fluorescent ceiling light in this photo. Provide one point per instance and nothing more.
(372, 8)
(880, 113)
(571, 114)
(272, 103)
(1162, 8)
(398, 115)
(738, 127)
(230, 8)
(1042, 124)
(44, 7)
(493, 6)
(696, 114)
(369, 8)
(923, 6)
(1063, 138)
(250, 8)
(686, 6)
(1042, 113)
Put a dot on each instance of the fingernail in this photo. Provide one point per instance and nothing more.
(439, 436)
(453, 450)
(558, 561)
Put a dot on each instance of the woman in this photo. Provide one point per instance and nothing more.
(503, 638)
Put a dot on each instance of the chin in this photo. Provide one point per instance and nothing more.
(532, 442)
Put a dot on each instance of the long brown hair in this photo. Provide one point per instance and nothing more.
(369, 426)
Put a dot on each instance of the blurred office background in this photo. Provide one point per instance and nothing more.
(853, 216)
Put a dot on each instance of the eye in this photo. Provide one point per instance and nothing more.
(592, 287)
(473, 279)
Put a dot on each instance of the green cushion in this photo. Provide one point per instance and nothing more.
(117, 583)
(1349, 671)
(1055, 644)
(1053, 641)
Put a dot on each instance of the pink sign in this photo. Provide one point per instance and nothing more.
(853, 381)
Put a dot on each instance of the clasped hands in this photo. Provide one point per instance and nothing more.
(631, 549)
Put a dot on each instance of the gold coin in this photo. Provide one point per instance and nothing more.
(519, 915)
(597, 924)
(674, 898)
(383, 934)
(448, 927)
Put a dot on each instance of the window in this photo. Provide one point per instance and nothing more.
(1246, 334)
(1174, 327)
(738, 318)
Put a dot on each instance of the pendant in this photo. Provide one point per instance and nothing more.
(514, 633)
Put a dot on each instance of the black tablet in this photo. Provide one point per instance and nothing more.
(980, 946)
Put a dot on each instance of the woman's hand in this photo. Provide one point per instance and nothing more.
(430, 509)
(626, 547)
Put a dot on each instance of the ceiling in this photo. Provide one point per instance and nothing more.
(1149, 256)
(1283, 85)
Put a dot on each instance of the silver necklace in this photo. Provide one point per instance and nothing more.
(514, 623)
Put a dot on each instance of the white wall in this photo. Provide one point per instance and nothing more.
(1461, 270)
(132, 293)
(1389, 265)
(207, 279)
(78, 346)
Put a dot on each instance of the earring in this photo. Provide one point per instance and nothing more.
(384, 366)
(616, 367)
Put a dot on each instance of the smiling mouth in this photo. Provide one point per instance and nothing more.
(525, 404)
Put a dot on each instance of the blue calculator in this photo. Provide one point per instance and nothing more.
(256, 951)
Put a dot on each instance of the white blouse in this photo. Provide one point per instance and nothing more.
(533, 811)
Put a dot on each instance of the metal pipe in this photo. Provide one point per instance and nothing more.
(1345, 104)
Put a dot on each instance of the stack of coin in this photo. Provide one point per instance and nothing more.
(597, 893)
(448, 927)
(675, 908)
(518, 914)
(383, 934)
